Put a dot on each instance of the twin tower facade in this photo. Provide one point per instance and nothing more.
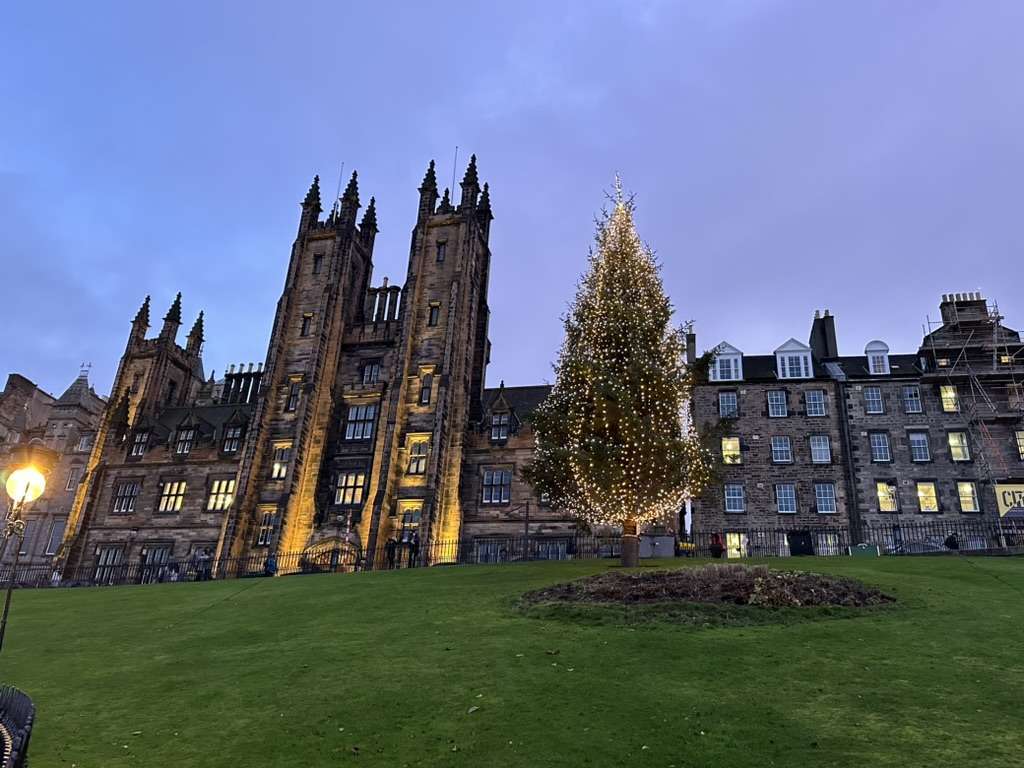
(368, 422)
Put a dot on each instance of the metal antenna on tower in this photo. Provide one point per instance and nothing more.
(455, 162)
(337, 193)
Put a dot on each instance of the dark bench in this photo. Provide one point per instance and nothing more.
(16, 715)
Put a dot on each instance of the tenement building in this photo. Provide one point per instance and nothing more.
(368, 424)
(811, 439)
(65, 427)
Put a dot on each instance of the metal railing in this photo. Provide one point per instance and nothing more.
(17, 713)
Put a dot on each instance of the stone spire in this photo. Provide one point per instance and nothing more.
(485, 199)
(172, 320)
(195, 336)
(470, 185)
(349, 201)
(446, 203)
(428, 192)
(369, 218)
(311, 207)
(141, 322)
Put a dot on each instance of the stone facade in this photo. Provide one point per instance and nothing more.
(914, 437)
(370, 421)
(66, 426)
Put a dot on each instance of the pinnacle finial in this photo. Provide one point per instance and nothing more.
(352, 190)
(470, 179)
(174, 313)
(429, 178)
(142, 316)
(197, 329)
(485, 197)
(446, 201)
(313, 196)
(369, 221)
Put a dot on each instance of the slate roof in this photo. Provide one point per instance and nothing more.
(856, 366)
(522, 400)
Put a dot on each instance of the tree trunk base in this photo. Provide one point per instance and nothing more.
(630, 551)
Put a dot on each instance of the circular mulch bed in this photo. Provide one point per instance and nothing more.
(714, 584)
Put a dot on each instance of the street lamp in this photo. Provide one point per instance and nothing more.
(24, 485)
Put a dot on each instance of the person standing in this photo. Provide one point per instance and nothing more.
(390, 550)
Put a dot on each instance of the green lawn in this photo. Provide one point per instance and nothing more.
(383, 668)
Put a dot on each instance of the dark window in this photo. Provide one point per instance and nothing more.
(434, 315)
(912, 399)
(499, 427)
(881, 451)
(426, 386)
(777, 405)
(266, 530)
(139, 443)
(371, 372)
(873, 402)
(418, 458)
(293, 396)
(441, 248)
(728, 405)
(232, 439)
(307, 320)
(814, 402)
(125, 496)
(185, 438)
(359, 424)
(318, 261)
(497, 486)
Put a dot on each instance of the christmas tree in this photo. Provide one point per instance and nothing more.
(614, 445)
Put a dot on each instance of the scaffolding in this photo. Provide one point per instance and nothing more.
(951, 341)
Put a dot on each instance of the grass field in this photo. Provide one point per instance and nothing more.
(384, 668)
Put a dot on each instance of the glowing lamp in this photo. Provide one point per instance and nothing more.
(25, 485)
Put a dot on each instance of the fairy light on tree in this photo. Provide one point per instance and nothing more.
(614, 444)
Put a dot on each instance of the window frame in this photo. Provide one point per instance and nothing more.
(434, 314)
(171, 495)
(488, 486)
(418, 451)
(833, 498)
(1019, 434)
(426, 395)
(440, 251)
(918, 485)
(949, 398)
(919, 433)
(732, 413)
(74, 478)
(221, 494)
(892, 490)
(965, 447)
(872, 446)
(281, 458)
(360, 421)
(785, 449)
(868, 402)
(827, 448)
(291, 403)
(779, 496)
(184, 440)
(728, 456)
(124, 503)
(976, 497)
(349, 488)
(267, 526)
(742, 497)
(140, 443)
(916, 389)
(231, 443)
(807, 403)
(370, 373)
(500, 424)
(784, 403)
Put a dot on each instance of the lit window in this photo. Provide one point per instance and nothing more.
(942, 362)
(497, 486)
(222, 494)
(912, 399)
(880, 449)
(814, 402)
(958, 448)
(785, 498)
(434, 315)
(307, 321)
(735, 498)
(232, 439)
(361, 418)
(499, 427)
(731, 450)
(418, 458)
(139, 443)
(1020, 444)
(73, 474)
(349, 490)
(821, 449)
(293, 397)
(441, 248)
(968, 494)
(184, 442)
(825, 497)
(265, 532)
(728, 405)
(172, 495)
(125, 496)
(426, 388)
(56, 535)
(282, 456)
(888, 496)
(873, 400)
(782, 450)
(371, 372)
(950, 398)
(777, 405)
(927, 497)
(920, 449)
(1006, 359)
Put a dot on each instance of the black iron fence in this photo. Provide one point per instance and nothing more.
(738, 542)
(16, 715)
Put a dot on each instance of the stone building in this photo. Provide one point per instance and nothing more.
(933, 435)
(369, 423)
(66, 425)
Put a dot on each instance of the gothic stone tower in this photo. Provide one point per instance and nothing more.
(368, 390)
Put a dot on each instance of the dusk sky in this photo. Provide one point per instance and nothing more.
(785, 156)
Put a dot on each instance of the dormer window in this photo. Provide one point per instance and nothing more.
(793, 360)
(139, 443)
(877, 353)
(499, 427)
(183, 445)
(727, 365)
